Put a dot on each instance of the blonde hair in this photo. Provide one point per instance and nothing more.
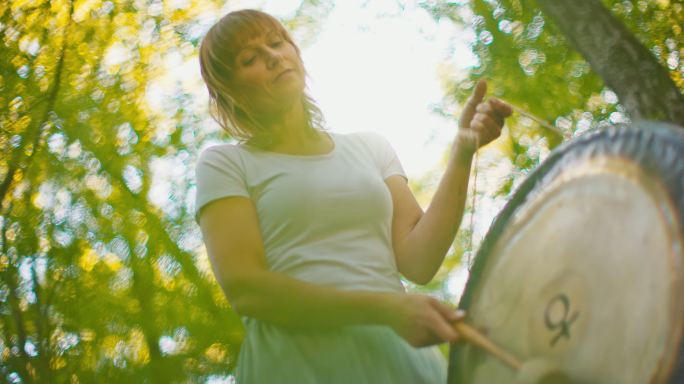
(232, 111)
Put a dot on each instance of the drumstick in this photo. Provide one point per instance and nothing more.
(473, 336)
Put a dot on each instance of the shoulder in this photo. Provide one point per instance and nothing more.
(220, 156)
(218, 152)
(370, 139)
(368, 135)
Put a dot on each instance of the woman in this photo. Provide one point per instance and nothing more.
(308, 230)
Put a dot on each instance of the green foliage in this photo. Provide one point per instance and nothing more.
(103, 273)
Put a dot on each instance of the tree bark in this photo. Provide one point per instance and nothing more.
(643, 86)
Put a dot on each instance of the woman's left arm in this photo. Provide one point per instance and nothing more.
(422, 239)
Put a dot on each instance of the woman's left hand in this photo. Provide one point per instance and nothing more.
(482, 121)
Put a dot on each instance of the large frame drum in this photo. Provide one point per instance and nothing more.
(584, 266)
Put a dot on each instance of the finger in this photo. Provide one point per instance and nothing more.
(445, 331)
(496, 112)
(503, 108)
(479, 91)
(488, 108)
(488, 122)
(478, 126)
(469, 108)
(494, 106)
(448, 312)
(499, 119)
(484, 107)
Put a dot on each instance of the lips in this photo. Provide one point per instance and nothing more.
(281, 74)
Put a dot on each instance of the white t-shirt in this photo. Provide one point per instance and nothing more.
(325, 219)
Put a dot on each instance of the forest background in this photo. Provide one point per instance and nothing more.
(102, 270)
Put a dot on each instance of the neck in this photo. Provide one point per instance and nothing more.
(290, 128)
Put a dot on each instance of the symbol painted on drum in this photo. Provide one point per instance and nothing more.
(557, 317)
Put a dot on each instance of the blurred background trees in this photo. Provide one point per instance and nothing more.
(103, 275)
(101, 278)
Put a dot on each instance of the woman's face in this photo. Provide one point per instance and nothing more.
(269, 72)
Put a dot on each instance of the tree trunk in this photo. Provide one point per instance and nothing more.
(643, 86)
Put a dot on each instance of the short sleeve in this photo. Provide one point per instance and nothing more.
(388, 160)
(218, 174)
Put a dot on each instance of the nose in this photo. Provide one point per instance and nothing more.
(273, 57)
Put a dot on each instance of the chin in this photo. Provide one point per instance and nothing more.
(293, 91)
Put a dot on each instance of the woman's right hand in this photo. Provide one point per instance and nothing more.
(481, 120)
(423, 320)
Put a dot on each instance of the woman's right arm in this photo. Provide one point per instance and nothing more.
(231, 235)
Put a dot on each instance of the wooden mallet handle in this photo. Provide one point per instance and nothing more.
(473, 336)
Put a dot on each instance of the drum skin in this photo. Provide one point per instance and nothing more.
(602, 312)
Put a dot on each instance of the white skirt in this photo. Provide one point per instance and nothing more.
(358, 354)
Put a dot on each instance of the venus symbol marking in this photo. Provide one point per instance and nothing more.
(561, 323)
